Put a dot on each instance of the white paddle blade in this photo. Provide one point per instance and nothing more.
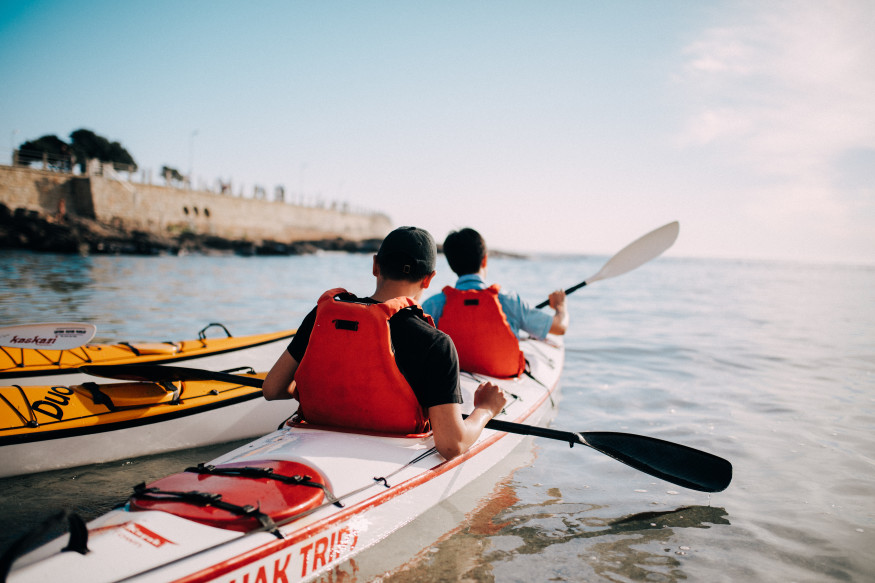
(639, 252)
(49, 336)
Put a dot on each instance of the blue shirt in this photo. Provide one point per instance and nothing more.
(520, 315)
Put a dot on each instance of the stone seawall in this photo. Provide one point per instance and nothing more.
(165, 211)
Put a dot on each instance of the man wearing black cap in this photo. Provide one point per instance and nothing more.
(348, 369)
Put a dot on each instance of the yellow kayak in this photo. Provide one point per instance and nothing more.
(37, 365)
(49, 427)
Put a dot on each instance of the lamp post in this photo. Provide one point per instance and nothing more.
(12, 145)
(191, 160)
(301, 181)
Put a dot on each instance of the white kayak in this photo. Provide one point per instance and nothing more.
(290, 505)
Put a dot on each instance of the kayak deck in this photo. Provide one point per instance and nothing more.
(39, 413)
(21, 362)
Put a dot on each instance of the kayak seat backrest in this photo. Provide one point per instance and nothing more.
(136, 394)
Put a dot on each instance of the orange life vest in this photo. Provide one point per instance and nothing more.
(348, 376)
(479, 329)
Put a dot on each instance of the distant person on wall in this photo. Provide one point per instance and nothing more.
(484, 321)
(348, 368)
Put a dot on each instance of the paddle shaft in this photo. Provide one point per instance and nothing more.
(571, 289)
(672, 462)
(633, 255)
(537, 431)
(157, 373)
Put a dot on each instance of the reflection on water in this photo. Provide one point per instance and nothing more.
(53, 283)
(684, 517)
(502, 532)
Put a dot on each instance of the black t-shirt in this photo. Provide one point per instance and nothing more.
(425, 356)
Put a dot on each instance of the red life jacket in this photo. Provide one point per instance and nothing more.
(348, 376)
(479, 329)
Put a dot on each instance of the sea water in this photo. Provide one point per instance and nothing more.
(767, 364)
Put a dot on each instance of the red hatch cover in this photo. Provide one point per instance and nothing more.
(273, 497)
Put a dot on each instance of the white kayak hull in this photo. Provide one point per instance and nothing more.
(383, 483)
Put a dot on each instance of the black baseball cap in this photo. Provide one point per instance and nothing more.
(409, 252)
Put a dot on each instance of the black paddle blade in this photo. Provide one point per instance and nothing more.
(158, 373)
(672, 462)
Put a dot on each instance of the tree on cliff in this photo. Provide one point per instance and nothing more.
(87, 145)
(84, 145)
(171, 175)
(57, 153)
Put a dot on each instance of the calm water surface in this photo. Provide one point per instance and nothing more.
(767, 364)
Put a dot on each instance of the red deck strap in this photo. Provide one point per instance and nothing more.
(271, 497)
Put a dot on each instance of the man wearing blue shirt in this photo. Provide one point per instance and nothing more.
(467, 255)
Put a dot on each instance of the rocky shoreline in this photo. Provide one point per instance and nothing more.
(31, 230)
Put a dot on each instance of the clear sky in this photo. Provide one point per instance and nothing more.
(564, 126)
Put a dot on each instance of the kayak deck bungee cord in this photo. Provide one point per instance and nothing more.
(30, 358)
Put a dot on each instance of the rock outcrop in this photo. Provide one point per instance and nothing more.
(28, 229)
